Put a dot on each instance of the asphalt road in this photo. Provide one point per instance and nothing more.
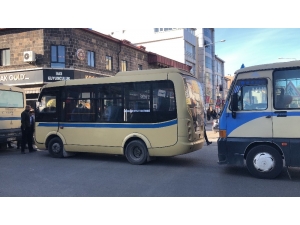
(195, 174)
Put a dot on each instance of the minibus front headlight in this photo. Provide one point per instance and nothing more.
(222, 133)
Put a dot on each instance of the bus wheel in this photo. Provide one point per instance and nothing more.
(136, 152)
(264, 162)
(55, 148)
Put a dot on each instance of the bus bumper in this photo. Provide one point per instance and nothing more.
(228, 155)
(10, 135)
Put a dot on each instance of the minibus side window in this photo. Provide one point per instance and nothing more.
(287, 89)
(252, 94)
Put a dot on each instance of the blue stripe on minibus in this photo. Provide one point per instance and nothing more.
(110, 125)
(10, 118)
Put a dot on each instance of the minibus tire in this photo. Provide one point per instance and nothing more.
(264, 161)
(56, 147)
(136, 152)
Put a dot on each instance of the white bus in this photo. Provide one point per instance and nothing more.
(259, 125)
(12, 104)
(139, 114)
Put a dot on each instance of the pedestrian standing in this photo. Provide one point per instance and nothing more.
(32, 124)
(214, 114)
(25, 127)
(208, 114)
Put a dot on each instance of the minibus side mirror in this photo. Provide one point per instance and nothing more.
(37, 104)
(234, 105)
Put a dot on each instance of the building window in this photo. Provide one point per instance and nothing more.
(164, 29)
(218, 67)
(4, 57)
(123, 65)
(208, 33)
(140, 67)
(190, 50)
(58, 59)
(191, 30)
(91, 58)
(109, 63)
(208, 62)
(208, 47)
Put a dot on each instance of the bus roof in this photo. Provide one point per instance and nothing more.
(270, 66)
(10, 88)
(118, 77)
(151, 71)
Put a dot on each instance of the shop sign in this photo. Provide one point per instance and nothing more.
(19, 78)
(58, 75)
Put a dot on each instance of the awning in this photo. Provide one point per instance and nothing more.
(32, 90)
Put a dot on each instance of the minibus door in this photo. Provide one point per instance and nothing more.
(251, 115)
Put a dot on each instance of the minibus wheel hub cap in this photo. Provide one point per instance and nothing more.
(137, 152)
(56, 147)
(263, 162)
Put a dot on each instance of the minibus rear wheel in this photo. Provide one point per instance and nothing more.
(264, 161)
(136, 152)
(55, 147)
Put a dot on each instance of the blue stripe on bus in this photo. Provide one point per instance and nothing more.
(110, 125)
(10, 118)
(229, 124)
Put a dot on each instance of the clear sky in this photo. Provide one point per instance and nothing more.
(251, 46)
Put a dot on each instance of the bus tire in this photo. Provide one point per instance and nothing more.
(264, 161)
(56, 147)
(136, 152)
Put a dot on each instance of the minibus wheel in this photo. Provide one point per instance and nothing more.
(56, 147)
(264, 161)
(136, 152)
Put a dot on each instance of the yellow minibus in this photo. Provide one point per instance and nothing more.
(12, 104)
(140, 114)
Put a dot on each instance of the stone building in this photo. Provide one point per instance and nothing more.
(30, 58)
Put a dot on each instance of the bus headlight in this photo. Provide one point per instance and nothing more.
(222, 133)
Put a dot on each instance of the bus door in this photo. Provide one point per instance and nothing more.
(250, 113)
(286, 117)
(47, 114)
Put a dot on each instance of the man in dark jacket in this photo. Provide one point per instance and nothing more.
(26, 130)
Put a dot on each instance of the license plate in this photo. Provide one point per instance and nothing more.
(11, 139)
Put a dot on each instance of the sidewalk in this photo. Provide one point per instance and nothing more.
(212, 136)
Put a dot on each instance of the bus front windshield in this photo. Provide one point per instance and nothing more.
(193, 93)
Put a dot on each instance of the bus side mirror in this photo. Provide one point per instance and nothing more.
(234, 105)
